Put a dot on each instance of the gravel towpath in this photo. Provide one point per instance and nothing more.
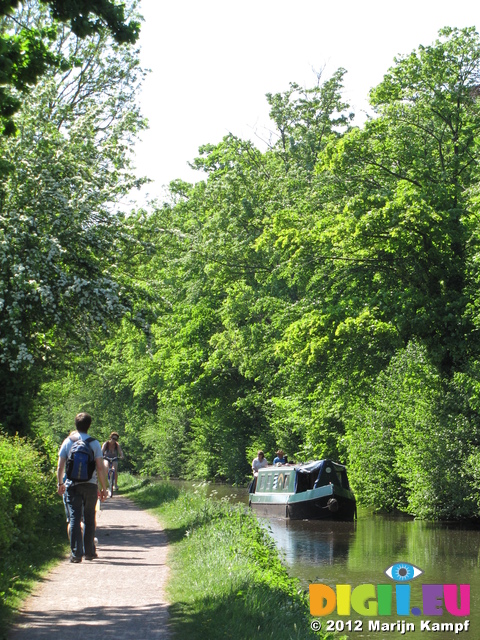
(120, 595)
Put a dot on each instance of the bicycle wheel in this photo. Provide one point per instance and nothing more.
(111, 478)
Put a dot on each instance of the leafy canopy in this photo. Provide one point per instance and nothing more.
(26, 47)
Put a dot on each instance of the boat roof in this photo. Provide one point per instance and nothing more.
(317, 465)
(308, 467)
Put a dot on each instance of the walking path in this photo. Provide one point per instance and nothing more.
(119, 595)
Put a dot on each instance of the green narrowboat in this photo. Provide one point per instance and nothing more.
(318, 490)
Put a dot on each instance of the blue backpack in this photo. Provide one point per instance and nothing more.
(80, 463)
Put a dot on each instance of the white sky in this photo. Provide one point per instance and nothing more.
(213, 61)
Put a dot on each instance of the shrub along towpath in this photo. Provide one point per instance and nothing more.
(120, 595)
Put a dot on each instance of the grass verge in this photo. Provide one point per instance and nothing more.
(28, 561)
(227, 580)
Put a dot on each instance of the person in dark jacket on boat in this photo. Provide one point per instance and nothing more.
(281, 458)
(259, 463)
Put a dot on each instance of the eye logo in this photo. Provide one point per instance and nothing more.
(403, 571)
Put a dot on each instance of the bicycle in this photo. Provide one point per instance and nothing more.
(111, 474)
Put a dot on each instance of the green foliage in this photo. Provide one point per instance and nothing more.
(163, 437)
(26, 491)
(410, 442)
(321, 296)
(31, 522)
(306, 119)
(27, 45)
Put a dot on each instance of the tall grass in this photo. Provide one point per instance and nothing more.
(227, 579)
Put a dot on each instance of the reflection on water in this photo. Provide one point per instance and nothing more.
(304, 543)
(360, 552)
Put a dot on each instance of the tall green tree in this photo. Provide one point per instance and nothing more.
(230, 301)
(386, 242)
(305, 120)
(404, 215)
(61, 232)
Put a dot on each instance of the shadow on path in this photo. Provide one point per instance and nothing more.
(119, 594)
(133, 536)
(106, 622)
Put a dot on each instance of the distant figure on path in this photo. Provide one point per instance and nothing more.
(112, 449)
(81, 494)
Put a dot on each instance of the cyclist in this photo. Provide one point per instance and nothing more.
(112, 449)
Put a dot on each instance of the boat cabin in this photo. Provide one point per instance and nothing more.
(317, 490)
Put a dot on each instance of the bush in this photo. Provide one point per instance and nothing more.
(32, 524)
(26, 491)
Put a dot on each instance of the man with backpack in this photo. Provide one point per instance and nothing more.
(81, 459)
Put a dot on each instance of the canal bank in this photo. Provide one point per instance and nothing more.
(360, 552)
(227, 580)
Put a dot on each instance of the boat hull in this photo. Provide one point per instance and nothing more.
(324, 503)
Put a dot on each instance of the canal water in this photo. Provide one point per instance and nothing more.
(360, 552)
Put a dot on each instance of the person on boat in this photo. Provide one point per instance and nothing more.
(281, 458)
(111, 449)
(259, 463)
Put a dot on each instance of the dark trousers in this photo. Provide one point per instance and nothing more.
(81, 499)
